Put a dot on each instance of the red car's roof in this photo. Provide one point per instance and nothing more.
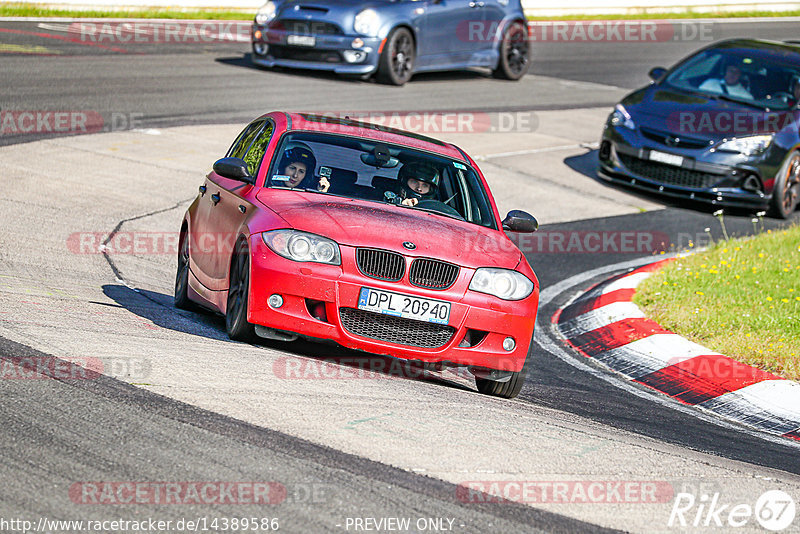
(322, 123)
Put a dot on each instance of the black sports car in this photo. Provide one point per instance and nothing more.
(722, 126)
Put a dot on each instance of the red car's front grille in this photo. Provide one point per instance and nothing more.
(395, 329)
(381, 264)
(432, 274)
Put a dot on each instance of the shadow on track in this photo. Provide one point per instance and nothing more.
(332, 361)
(425, 77)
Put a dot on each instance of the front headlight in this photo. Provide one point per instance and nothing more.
(748, 146)
(302, 246)
(503, 283)
(266, 13)
(367, 22)
(621, 116)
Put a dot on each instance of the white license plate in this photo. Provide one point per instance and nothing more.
(406, 306)
(301, 40)
(669, 159)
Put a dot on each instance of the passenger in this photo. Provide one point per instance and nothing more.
(298, 166)
(730, 84)
(418, 181)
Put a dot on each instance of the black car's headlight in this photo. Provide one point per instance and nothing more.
(503, 283)
(749, 146)
(266, 13)
(303, 246)
(620, 116)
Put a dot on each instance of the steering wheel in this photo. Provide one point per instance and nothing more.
(435, 205)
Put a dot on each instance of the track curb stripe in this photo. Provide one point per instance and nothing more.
(603, 324)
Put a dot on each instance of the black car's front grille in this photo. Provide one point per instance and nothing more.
(669, 174)
(304, 54)
(395, 329)
(305, 27)
(432, 274)
(670, 139)
(381, 264)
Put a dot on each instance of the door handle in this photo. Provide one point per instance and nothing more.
(242, 208)
(202, 190)
(215, 198)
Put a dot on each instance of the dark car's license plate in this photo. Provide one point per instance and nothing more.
(406, 306)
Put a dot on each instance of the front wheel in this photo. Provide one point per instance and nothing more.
(181, 295)
(397, 60)
(509, 389)
(238, 296)
(514, 53)
(786, 192)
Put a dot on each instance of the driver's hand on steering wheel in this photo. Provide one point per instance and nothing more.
(410, 202)
(324, 184)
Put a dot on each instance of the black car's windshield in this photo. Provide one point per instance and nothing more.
(370, 170)
(751, 77)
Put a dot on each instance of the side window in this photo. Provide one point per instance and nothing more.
(256, 152)
(239, 148)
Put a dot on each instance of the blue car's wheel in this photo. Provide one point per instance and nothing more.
(514, 53)
(397, 60)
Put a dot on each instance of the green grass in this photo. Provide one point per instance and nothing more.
(740, 298)
(32, 10)
(681, 15)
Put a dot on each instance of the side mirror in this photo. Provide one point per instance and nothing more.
(520, 221)
(656, 73)
(233, 168)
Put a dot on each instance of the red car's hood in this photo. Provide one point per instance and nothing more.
(373, 224)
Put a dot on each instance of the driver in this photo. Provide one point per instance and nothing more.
(729, 84)
(298, 166)
(418, 181)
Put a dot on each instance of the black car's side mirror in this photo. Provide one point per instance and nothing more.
(656, 73)
(520, 221)
(233, 168)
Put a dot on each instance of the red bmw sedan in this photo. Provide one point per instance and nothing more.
(377, 239)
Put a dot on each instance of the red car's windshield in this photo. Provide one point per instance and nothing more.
(371, 170)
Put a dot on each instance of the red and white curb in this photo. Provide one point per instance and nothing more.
(603, 324)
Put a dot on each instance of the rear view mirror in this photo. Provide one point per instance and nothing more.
(233, 168)
(520, 221)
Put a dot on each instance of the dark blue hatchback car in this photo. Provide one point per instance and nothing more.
(392, 38)
(722, 127)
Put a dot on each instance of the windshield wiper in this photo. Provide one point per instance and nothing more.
(729, 98)
(456, 217)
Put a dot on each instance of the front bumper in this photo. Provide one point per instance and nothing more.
(328, 53)
(308, 284)
(717, 182)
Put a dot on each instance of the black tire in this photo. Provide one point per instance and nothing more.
(239, 290)
(786, 193)
(514, 53)
(181, 295)
(397, 59)
(510, 389)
